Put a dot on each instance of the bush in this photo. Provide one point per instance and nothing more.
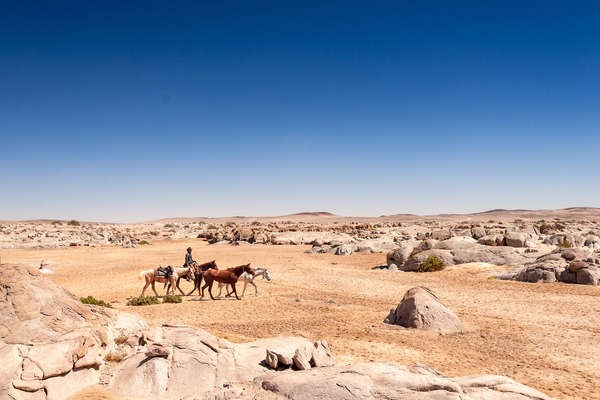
(492, 277)
(432, 263)
(255, 223)
(169, 226)
(73, 223)
(92, 300)
(172, 299)
(143, 242)
(565, 245)
(211, 226)
(142, 301)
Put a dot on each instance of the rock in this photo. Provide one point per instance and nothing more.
(345, 249)
(415, 260)
(478, 232)
(441, 235)
(516, 239)
(575, 266)
(392, 267)
(158, 350)
(391, 381)
(303, 356)
(321, 355)
(492, 240)
(400, 255)
(272, 359)
(420, 308)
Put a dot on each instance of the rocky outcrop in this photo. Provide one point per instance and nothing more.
(457, 250)
(391, 381)
(52, 346)
(420, 308)
(563, 265)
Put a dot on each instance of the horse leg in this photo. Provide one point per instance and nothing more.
(145, 286)
(234, 291)
(154, 289)
(229, 292)
(210, 290)
(180, 291)
(245, 285)
(255, 288)
(204, 287)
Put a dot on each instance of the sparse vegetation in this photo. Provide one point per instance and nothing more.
(93, 301)
(143, 242)
(431, 264)
(73, 223)
(142, 301)
(565, 244)
(492, 277)
(169, 226)
(172, 299)
(211, 226)
(255, 223)
(230, 224)
(56, 222)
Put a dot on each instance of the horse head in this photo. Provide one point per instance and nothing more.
(267, 275)
(246, 268)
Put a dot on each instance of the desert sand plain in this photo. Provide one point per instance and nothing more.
(544, 335)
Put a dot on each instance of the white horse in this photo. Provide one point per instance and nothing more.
(248, 279)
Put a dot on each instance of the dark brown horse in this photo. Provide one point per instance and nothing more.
(198, 269)
(228, 276)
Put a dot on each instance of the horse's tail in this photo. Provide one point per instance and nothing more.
(143, 274)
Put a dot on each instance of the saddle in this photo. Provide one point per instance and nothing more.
(164, 271)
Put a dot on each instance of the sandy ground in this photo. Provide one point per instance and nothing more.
(544, 335)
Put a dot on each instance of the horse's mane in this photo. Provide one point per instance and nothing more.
(239, 269)
(201, 266)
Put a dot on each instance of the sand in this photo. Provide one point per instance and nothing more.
(543, 335)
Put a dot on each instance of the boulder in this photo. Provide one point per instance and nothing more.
(420, 308)
(321, 355)
(478, 232)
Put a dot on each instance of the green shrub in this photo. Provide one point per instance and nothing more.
(492, 277)
(172, 299)
(143, 242)
(255, 223)
(432, 263)
(169, 226)
(565, 245)
(211, 226)
(92, 300)
(73, 222)
(142, 301)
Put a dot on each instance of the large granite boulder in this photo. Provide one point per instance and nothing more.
(420, 308)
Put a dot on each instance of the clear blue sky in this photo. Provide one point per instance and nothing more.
(129, 112)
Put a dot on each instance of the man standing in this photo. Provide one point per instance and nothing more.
(188, 258)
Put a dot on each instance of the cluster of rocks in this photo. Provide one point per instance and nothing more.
(577, 265)
(457, 250)
(571, 258)
(52, 346)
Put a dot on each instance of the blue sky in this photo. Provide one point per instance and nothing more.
(130, 112)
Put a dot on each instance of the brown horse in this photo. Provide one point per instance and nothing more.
(196, 275)
(228, 276)
(151, 277)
